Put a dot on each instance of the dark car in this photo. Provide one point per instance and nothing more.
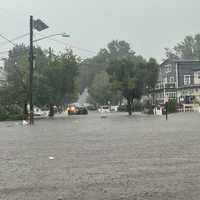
(77, 110)
(82, 110)
(91, 107)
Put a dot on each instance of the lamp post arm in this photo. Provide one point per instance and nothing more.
(49, 36)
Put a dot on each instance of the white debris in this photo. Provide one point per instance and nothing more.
(24, 123)
(51, 158)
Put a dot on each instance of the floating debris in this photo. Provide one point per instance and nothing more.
(25, 123)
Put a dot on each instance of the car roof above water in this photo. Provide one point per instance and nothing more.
(105, 107)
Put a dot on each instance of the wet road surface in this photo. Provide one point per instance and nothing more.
(138, 158)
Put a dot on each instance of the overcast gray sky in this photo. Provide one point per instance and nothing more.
(148, 25)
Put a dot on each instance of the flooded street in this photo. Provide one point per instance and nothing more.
(86, 157)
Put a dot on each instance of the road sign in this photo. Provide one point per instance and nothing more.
(39, 25)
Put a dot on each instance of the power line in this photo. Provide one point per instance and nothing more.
(52, 39)
(5, 38)
(72, 46)
(14, 39)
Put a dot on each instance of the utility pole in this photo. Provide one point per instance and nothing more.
(39, 25)
(31, 72)
(166, 110)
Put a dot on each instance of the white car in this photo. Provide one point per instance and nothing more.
(104, 110)
(38, 112)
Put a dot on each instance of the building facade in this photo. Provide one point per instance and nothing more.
(2, 76)
(180, 80)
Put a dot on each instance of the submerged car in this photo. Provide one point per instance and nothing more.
(77, 110)
(104, 109)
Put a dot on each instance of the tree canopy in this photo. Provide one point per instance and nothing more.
(90, 67)
(188, 49)
(54, 82)
(115, 72)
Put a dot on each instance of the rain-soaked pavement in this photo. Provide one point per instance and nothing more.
(88, 158)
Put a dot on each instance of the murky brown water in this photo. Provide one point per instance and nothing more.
(142, 157)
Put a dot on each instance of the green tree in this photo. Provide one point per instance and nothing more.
(56, 84)
(188, 49)
(17, 70)
(152, 71)
(99, 91)
(90, 67)
(128, 77)
(55, 77)
(16, 67)
(119, 50)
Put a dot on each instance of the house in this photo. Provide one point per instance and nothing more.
(180, 80)
(2, 76)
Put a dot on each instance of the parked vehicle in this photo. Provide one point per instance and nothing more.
(122, 108)
(91, 107)
(74, 109)
(104, 109)
(114, 108)
(38, 112)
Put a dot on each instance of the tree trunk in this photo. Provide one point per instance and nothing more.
(120, 102)
(153, 95)
(51, 110)
(129, 106)
(25, 111)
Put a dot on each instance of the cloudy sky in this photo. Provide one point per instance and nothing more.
(148, 25)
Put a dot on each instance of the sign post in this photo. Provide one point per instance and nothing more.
(166, 100)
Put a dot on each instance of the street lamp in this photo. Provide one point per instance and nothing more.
(49, 36)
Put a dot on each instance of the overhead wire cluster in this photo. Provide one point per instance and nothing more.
(69, 45)
(12, 41)
(7, 12)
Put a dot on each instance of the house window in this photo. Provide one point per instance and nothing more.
(168, 68)
(197, 75)
(171, 79)
(165, 80)
(171, 95)
(187, 80)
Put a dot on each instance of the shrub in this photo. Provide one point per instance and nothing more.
(11, 112)
(172, 104)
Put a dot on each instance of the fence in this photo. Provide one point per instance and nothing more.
(189, 108)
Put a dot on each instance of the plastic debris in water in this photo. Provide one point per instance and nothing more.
(24, 123)
(51, 158)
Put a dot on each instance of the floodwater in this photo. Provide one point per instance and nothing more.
(88, 157)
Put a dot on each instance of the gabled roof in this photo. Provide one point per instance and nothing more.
(187, 61)
(182, 61)
(164, 62)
